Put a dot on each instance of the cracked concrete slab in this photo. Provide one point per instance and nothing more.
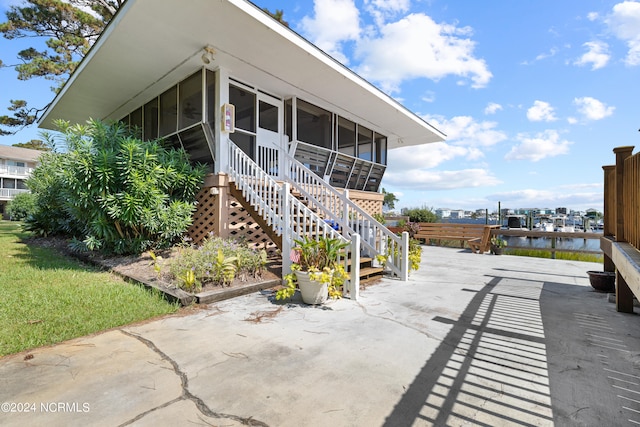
(469, 340)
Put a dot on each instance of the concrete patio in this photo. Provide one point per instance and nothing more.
(468, 340)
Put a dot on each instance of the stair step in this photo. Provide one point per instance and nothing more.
(370, 271)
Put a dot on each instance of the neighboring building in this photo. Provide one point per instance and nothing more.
(233, 86)
(16, 164)
(457, 214)
(443, 213)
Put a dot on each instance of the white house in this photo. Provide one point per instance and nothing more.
(16, 164)
(265, 109)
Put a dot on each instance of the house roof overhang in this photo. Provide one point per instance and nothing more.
(150, 45)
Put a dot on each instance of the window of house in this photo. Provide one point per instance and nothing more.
(313, 124)
(135, 121)
(169, 111)
(151, 119)
(365, 143)
(288, 118)
(190, 101)
(245, 103)
(211, 97)
(346, 133)
(381, 149)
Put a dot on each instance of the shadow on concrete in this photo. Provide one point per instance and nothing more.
(490, 369)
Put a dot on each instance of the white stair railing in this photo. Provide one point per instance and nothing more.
(351, 219)
(286, 215)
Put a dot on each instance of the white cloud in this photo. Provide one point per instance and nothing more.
(542, 145)
(334, 22)
(576, 197)
(423, 156)
(552, 52)
(441, 180)
(597, 55)
(624, 22)
(492, 108)
(592, 109)
(541, 112)
(429, 96)
(592, 16)
(415, 47)
(465, 131)
(390, 5)
(381, 10)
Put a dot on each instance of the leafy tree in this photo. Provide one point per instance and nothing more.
(420, 214)
(70, 27)
(21, 206)
(34, 144)
(113, 191)
(390, 199)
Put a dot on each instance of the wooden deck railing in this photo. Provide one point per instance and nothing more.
(621, 240)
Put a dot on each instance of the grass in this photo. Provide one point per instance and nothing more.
(537, 253)
(570, 256)
(48, 298)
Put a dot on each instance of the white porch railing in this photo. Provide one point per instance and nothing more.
(15, 171)
(286, 215)
(350, 218)
(8, 194)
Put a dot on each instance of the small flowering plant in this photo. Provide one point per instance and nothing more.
(498, 242)
(320, 259)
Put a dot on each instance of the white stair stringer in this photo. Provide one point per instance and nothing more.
(288, 216)
(376, 239)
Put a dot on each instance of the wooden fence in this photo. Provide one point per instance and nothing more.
(552, 237)
(621, 240)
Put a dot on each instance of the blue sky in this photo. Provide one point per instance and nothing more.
(533, 96)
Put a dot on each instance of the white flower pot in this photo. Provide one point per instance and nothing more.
(312, 292)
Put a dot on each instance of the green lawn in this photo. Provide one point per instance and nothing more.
(48, 298)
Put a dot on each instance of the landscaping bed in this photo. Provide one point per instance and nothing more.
(140, 269)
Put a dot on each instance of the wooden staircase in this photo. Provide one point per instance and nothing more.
(368, 273)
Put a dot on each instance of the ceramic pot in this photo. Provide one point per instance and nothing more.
(312, 292)
(602, 281)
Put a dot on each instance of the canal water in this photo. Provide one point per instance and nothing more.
(542, 242)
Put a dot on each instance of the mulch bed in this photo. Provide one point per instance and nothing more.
(139, 268)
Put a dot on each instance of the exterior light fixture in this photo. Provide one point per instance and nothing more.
(207, 56)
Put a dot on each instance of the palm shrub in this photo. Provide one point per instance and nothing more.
(113, 191)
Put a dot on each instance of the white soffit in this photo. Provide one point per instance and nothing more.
(152, 44)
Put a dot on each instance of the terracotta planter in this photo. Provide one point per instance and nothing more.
(312, 292)
(602, 281)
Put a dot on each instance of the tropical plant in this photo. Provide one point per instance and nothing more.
(217, 262)
(319, 257)
(415, 254)
(113, 191)
(498, 242)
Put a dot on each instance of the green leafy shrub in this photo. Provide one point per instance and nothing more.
(217, 262)
(112, 191)
(420, 214)
(21, 206)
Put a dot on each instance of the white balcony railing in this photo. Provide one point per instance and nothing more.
(10, 193)
(15, 171)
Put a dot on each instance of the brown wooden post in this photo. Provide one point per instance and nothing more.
(624, 295)
(609, 211)
(220, 185)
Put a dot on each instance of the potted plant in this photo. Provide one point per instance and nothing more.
(497, 245)
(315, 270)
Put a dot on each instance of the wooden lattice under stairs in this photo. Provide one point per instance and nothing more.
(224, 212)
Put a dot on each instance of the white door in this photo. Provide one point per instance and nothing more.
(269, 134)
